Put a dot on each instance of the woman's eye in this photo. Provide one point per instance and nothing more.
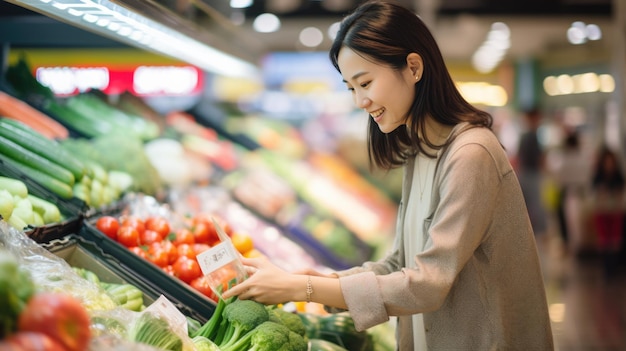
(364, 85)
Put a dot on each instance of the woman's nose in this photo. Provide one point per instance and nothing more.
(363, 103)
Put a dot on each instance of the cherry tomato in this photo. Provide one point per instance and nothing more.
(202, 285)
(200, 248)
(128, 236)
(135, 222)
(158, 255)
(183, 236)
(158, 224)
(202, 232)
(171, 249)
(109, 226)
(187, 269)
(137, 250)
(149, 236)
(169, 269)
(186, 250)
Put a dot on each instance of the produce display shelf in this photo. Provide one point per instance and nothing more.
(191, 302)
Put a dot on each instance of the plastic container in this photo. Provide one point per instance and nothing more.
(221, 264)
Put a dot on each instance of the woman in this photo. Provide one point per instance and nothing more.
(463, 273)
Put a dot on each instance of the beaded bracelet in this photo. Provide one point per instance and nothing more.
(309, 289)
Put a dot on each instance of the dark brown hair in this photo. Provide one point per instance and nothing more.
(386, 33)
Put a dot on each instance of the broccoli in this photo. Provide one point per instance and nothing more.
(210, 329)
(238, 318)
(289, 319)
(269, 336)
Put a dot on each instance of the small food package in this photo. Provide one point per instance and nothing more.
(221, 263)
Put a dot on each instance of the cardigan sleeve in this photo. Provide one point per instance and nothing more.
(468, 184)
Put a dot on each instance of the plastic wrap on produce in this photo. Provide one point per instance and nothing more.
(51, 273)
(113, 327)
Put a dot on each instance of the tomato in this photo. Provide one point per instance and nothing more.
(137, 250)
(135, 222)
(183, 236)
(200, 248)
(158, 224)
(187, 269)
(109, 226)
(169, 269)
(158, 255)
(60, 316)
(128, 236)
(171, 249)
(204, 287)
(149, 237)
(31, 341)
(242, 242)
(186, 250)
(202, 232)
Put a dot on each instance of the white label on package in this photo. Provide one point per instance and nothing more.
(216, 257)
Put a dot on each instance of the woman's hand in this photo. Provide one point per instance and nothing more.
(267, 283)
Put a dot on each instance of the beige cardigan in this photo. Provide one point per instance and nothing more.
(478, 282)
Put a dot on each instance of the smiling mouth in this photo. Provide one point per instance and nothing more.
(377, 113)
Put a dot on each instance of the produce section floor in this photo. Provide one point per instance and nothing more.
(587, 308)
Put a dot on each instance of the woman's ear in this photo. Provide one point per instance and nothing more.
(415, 65)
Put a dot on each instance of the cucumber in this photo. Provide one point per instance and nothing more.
(30, 139)
(14, 186)
(83, 124)
(26, 157)
(63, 190)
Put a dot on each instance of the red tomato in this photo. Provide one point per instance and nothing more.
(128, 236)
(60, 316)
(187, 269)
(158, 255)
(159, 225)
(109, 226)
(135, 222)
(200, 248)
(30, 341)
(202, 232)
(171, 249)
(202, 285)
(149, 236)
(184, 236)
(186, 250)
(169, 269)
(138, 251)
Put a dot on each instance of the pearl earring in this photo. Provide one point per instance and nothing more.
(417, 77)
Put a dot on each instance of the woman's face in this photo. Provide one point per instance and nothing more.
(385, 94)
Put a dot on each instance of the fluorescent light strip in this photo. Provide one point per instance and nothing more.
(109, 19)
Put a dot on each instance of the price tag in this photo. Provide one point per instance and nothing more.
(216, 257)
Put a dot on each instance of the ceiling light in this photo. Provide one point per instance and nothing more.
(266, 23)
(311, 37)
(240, 4)
(111, 20)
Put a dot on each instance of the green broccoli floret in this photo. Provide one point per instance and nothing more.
(289, 319)
(269, 336)
(240, 317)
(297, 342)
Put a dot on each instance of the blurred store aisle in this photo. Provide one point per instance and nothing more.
(587, 309)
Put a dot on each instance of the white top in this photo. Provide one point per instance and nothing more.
(417, 209)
